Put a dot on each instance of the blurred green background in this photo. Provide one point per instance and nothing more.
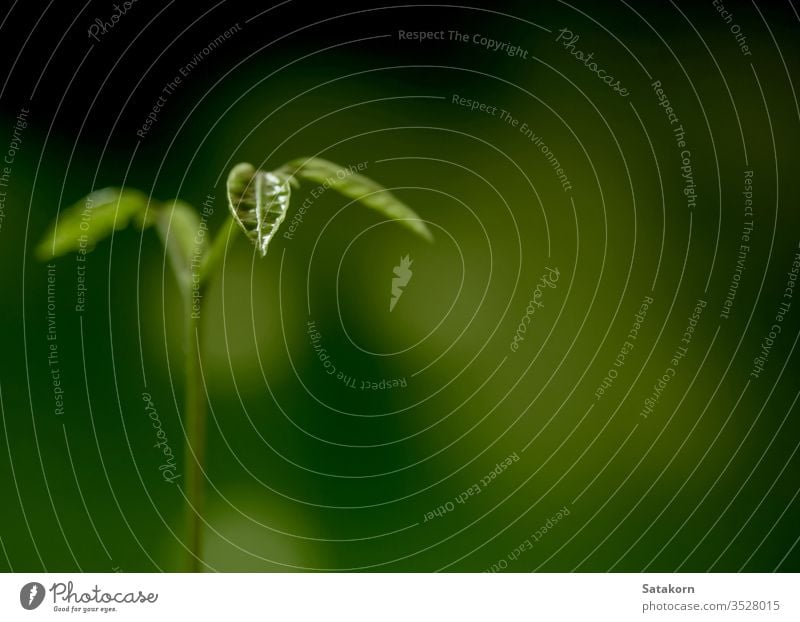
(307, 473)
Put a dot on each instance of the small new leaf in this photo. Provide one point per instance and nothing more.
(92, 219)
(258, 201)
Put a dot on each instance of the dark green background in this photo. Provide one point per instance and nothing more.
(708, 481)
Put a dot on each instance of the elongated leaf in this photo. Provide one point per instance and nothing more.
(356, 186)
(186, 242)
(92, 219)
(258, 201)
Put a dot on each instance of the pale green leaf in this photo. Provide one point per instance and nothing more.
(258, 201)
(95, 217)
(358, 187)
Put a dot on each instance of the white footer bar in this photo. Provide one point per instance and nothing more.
(399, 597)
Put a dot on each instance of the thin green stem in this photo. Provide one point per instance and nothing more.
(195, 415)
(195, 451)
(216, 250)
(195, 401)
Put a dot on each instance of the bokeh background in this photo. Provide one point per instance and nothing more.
(306, 473)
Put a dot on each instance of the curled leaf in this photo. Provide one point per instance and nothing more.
(258, 201)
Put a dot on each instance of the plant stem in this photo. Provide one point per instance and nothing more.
(195, 404)
(216, 250)
(194, 460)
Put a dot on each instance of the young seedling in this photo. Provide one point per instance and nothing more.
(258, 202)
